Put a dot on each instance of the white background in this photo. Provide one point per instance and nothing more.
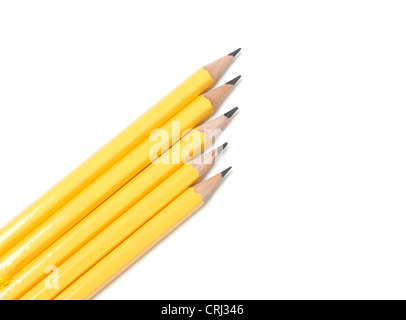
(315, 205)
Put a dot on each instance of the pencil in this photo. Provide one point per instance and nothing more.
(141, 241)
(116, 205)
(122, 228)
(108, 183)
(113, 151)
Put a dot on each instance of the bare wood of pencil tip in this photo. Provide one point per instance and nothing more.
(217, 68)
(207, 187)
(217, 95)
(203, 163)
(214, 127)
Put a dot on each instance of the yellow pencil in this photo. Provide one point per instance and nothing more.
(116, 205)
(122, 228)
(108, 183)
(141, 241)
(108, 155)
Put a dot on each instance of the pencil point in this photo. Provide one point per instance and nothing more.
(234, 81)
(217, 68)
(230, 113)
(223, 173)
(214, 127)
(234, 53)
(221, 148)
(217, 95)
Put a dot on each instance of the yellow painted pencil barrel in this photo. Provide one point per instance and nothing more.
(119, 230)
(108, 155)
(139, 242)
(112, 180)
(69, 243)
(132, 248)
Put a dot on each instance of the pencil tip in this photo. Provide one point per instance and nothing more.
(221, 148)
(223, 173)
(234, 53)
(234, 81)
(230, 113)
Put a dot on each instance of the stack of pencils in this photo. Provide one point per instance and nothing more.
(110, 210)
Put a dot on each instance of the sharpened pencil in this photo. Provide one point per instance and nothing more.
(111, 153)
(123, 227)
(114, 207)
(142, 240)
(112, 180)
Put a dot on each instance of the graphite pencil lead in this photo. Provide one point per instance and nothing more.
(224, 172)
(234, 81)
(234, 53)
(230, 113)
(221, 148)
